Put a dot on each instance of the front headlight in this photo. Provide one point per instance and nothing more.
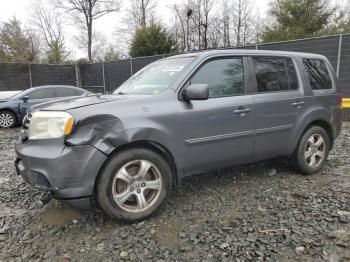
(50, 124)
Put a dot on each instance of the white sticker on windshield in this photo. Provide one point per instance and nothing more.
(173, 69)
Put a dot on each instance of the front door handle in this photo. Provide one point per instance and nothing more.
(242, 110)
(298, 104)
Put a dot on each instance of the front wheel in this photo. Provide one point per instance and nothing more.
(312, 151)
(134, 184)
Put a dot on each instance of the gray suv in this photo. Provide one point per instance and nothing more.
(179, 116)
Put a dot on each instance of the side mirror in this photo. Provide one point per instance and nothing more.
(196, 92)
(25, 99)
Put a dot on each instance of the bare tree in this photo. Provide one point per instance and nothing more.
(215, 24)
(180, 28)
(201, 19)
(49, 23)
(225, 24)
(242, 22)
(85, 12)
(193, 24)
(207, 7)
(141, 12)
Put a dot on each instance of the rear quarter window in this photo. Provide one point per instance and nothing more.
(65, 92)
(318, 74)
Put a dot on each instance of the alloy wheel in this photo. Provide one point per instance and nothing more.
(6, 120)
(137, 186)
(315, 150)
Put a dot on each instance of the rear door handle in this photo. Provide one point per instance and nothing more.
(242, 110)
(298, 104)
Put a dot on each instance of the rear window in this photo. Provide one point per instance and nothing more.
(275, 74)
(318, 74)
(64, 92)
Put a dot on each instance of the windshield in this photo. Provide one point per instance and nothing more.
(155, 78)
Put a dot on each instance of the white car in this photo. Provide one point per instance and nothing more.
(8, 94)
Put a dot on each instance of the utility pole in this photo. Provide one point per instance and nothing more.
(188, 13)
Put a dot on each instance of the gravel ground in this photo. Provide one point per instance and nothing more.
(259, 212)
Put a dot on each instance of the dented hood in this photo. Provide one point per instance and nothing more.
(71, 103)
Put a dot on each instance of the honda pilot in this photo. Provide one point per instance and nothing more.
(179, 116)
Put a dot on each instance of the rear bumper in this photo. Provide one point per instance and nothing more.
(68, 172)
(346, 103)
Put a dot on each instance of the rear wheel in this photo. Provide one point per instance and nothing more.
(134, 184)
(312, 151)
(7, 119)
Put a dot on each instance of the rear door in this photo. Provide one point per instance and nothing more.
(278, 102)
(218, 131)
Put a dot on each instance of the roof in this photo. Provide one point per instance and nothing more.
(248, 52)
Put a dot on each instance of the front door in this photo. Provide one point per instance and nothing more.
(37, 96)
(218, 131)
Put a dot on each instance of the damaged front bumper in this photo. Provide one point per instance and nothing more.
(68, 172)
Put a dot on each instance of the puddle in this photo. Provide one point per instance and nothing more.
(167, 234)
(59, 216)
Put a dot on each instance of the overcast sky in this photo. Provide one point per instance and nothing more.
(107, 24)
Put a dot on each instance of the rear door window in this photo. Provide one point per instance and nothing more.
(318, 74)
(42, 93)
(275, 74)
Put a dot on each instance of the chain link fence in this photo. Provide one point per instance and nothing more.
(107, 76)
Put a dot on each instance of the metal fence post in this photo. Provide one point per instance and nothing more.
(131, 69)
(256, 47)
(339, 54)
(77, 76)
(30, 76)
(103, 77)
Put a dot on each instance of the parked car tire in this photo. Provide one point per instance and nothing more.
(312, 151)
(133, 184)
(7, 119)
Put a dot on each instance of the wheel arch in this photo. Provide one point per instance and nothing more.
(151, 145)
(325, 124)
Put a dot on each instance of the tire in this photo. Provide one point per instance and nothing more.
(7, 119)
(312, 151)
(121, 177)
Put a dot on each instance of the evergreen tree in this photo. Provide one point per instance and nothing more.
(15, 44)
(152, 40)
(297, 19)
(56, 54)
